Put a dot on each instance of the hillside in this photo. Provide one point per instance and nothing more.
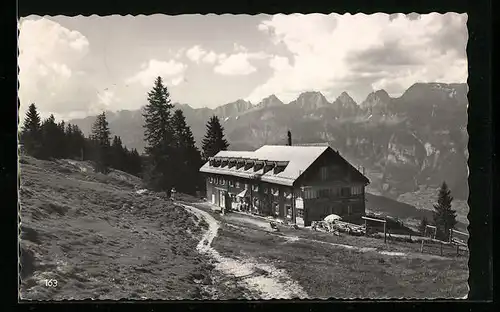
(418, 139)
(410, 209)
(101, 239)
(104, 237)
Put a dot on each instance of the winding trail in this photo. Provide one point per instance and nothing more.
(268, 281)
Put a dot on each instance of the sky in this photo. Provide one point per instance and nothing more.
(73, 67)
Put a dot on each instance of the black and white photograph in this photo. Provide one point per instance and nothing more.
(220, 157)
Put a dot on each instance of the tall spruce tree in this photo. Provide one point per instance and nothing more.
(187, 156)
(214, 140)
(31, 132)
(50, 130)
(134, 162)
(158, 133)
(61, 141)
(100, 138)
(444, 216)
(76, 142)
(118, 154)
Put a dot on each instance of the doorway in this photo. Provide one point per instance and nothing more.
(222, 199)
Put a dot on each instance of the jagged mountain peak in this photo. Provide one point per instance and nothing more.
(311, 100)
(381, 94)
(345, 99)
(233, 109)
(376, 98)
(270, 101)
(273, 97)
(309, 94)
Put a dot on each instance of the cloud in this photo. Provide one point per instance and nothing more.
(210, 57)
(195, 53)
(149, 71)
(238, 64)
(359, 53)
(50, 57)
(105, 101)
(239, 48)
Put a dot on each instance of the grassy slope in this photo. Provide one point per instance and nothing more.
(409, 211)
(425, 198)
(326, 271)
(99, 239)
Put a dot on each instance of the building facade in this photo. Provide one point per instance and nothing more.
(299, 184)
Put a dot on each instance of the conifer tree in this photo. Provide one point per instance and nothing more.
(159, 138)
(100, 138)
(187, 156)
(214, 140)
(77, 142)
(118, 154)
(31, 133)
(134, 163)
(61, 141)
(444, 216)
(50, 130)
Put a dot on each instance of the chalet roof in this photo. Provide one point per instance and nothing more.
(296, 160)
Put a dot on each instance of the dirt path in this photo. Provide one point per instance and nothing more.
(265, 279)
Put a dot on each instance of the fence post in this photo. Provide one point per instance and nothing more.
(451, 234)
(441, 247)
(422, 246)
(458, 250)
(385, 233)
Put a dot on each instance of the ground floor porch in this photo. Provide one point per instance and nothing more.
(287, 206)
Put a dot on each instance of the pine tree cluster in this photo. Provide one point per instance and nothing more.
(51, 140)
(173, 160)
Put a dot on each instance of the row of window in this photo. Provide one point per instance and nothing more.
(222, 181)
(333, 192)
(308, 194)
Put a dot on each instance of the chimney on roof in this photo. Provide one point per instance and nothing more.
(289, 135)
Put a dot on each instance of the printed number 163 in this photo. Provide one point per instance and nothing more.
(51, 283)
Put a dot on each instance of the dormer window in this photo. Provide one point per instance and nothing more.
(224, 163)
(280, 166)
(269, 166)
(249, 164)
(258, 165)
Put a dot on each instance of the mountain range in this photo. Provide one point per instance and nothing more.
(404, 143)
